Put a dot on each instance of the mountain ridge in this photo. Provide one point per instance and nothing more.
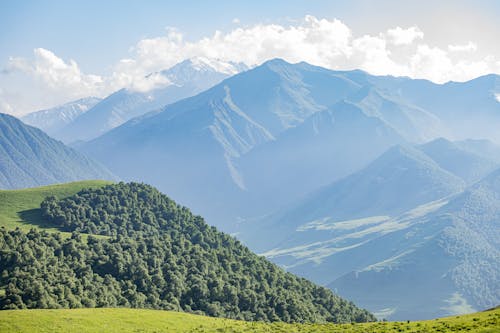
(54, 119)
(30, 157)
(184, 79)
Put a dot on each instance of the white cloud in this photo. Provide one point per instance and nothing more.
(400, 36)
(328, 43)
(54, 74)
(431, 63)
(437, 65)
(4, 106)
(469, 47)
(236, 21)
(315, 40)
(128, 73)
(323, 42)
(371, 54)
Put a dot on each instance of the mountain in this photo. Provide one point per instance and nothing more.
(328, 145)
(29, 158)
(206, 138)
(401, 179)
(263, 138)
(448, 264)
(155, 254)
(470, 110)
(483, 148)
(53, 120)
(200, 72)
(411, 122)
(184, 79)
(459, 159)
(401, 226)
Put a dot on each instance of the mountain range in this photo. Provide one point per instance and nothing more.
(51, 121)
(211, 137)
(182, 80)
(449, 262)
(395, 228)
(382, 188)
(462, 162)
(243, 140)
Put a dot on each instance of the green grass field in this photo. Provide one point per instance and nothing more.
(149, 321)
(21, 208)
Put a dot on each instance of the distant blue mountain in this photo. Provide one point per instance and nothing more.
(399, 180)
(444, 262)
(53, 120)
(412, 122)
(403, 237)
(261, 139)
(465, 163)
(328, 145)
(203, 141)
(185, 79)
(483, 148)
(29, 158)
(468, 109)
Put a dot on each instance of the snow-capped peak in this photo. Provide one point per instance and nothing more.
(196, 70)
(50, 120)
(203, 63)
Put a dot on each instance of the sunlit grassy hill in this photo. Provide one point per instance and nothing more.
(145, 321)
(21, 208)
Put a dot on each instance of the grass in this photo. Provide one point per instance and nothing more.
(21, 208)
(149, 321)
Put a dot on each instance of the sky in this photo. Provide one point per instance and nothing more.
(56, 51)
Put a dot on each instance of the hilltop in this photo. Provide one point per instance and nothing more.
(21, 208)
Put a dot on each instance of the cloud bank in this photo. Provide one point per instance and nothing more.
(329, 43)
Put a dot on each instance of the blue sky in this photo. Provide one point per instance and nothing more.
(82, 30)
(97, 35)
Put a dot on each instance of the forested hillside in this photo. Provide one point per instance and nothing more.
(158, 255)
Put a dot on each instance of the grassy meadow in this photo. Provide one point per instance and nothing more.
(112, 320)
(21, 208)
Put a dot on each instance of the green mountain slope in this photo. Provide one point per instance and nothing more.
(149, 321)
(158, 255)
(29, 157)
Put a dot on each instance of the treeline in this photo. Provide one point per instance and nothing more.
(156, 254)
